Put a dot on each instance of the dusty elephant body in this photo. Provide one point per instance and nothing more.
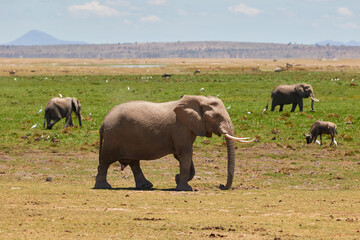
(142, 130)
(292, 94)
(58, 108)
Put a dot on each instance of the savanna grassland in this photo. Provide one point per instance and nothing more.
(283, 188)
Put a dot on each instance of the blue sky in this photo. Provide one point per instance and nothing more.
(114, 21)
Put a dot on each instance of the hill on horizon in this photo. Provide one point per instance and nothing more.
(37, 44)
(336, 43)
(39, 38)
(202, 49)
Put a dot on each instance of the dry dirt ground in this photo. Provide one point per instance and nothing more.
(280, 191)
(31, 67)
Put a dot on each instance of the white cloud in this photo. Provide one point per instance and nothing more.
(94, 8)
(119, 3)
(244, 9)
(151, 19)
(343, 11)
(156, 2)
(349, 25)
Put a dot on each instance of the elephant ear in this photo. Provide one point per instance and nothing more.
(75, 105)
(299, 89)
(190, 114)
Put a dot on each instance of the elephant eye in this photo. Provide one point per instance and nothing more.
(214, 104)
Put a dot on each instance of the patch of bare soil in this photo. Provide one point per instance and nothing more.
(35, 67)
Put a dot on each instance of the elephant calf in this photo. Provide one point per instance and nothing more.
(291, 94)
(58, 108)
(141, 130)
(319, 128)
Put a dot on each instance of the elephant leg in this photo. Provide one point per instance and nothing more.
(186, 174)
(140, 180)
(273, 105)
(68, 121)
(293, 107)
(101, 182)
(192, 173)
(281, 107)
(51, 124)
(301, 105)
(48, 123)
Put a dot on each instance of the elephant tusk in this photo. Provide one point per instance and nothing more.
(314, 99)
(239, 139)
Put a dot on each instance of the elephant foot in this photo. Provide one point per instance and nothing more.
(185, 187)
(102, 185)
(145, 185)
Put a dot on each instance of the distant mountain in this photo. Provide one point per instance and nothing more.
(334, 43)
(35, 37)
(203, 49)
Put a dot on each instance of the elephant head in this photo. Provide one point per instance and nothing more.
(76, 107)
(304, 91)
(204, 116)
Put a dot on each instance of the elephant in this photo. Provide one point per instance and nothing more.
(58, 108)
(141, 130)
(292, 94)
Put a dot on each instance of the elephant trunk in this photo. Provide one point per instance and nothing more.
(313, 99)
(80, 117)
(231, 164)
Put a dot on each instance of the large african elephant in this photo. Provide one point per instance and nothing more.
(292, 94)
(142, 130)
(58, 108)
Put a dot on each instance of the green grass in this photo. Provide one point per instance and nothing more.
(282, 188)
(245, 94)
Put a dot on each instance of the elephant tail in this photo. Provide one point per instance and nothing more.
(267, 105)
(101, 133)
(45, 116)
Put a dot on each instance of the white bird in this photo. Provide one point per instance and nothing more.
(202, 89)
(128, 88)
(106, 80)
(90, 114)
(228, 107)
(14, 79)
(335, 143)
(248, 112)
(34, 126)
(60, 95)
(40, 110)
(318, 142)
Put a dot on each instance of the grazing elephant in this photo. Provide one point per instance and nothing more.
(291, 94)
(58, 108)
(142, 130)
